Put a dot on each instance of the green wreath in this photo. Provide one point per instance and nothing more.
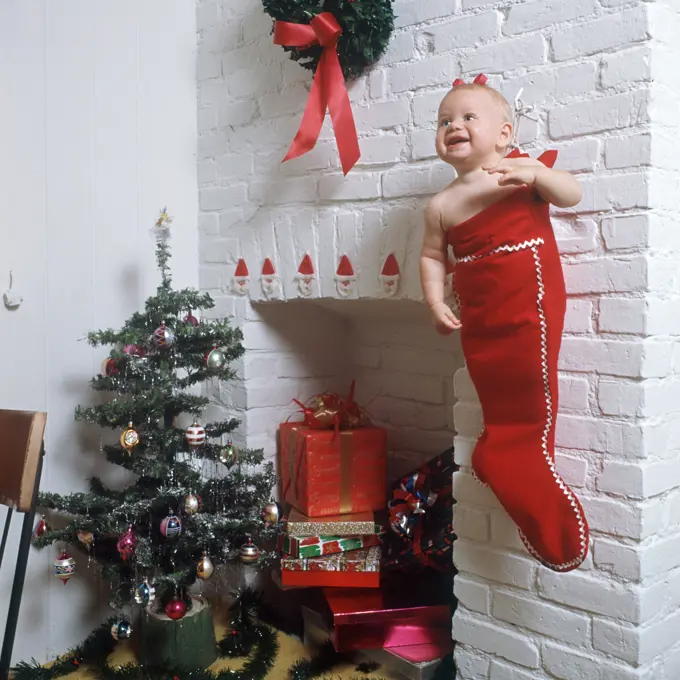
(366, 29)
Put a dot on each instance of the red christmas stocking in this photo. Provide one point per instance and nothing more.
(511, 289)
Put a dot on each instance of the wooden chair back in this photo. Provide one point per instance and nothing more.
(21, 438)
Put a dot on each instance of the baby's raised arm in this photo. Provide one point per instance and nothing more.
(558, 187)
(433, 258)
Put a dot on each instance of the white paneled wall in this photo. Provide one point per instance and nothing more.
(97, 132)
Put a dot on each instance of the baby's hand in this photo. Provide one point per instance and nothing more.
(445, 321)
(515, 171)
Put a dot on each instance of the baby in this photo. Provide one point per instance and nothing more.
(511, 297)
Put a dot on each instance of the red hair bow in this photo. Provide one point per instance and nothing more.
(479, 80)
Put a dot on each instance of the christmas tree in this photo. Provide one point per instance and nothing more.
(195, 500)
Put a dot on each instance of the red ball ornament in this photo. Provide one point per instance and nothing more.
(110, 368)
(134, 350)
(190, 318)
(41, 528)
(175, 609)
(126, 544)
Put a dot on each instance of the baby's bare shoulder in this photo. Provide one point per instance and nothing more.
(447, 197)
(448, 203)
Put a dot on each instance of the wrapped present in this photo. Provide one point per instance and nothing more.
(415, 662)
(401, 613)
(299, 525)
(358, 569)
(333, 472)
(421, 517)
(359, 560)
(316, 546)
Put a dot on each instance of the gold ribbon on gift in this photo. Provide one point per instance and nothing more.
(345, 472)
(291, 465)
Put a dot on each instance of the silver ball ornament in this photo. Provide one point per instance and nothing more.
(192, 504)
(121, 630)
(215, 359)
(271, 513)
(145, 593)
(163, 337)
(205, 567)
(249, 552)
(64, 567)
(228, 455)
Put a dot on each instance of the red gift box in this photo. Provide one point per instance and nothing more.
(330, 579)
(358, 569)
(333, 472)
(317, 546)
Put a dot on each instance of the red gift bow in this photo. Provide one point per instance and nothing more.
(331, 411)
(328, 89)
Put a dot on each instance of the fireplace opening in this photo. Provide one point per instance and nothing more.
(402, 368)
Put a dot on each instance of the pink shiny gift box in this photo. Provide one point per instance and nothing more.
(374, 620)
(414, 662)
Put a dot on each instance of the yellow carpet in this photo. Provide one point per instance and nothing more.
(290, 650)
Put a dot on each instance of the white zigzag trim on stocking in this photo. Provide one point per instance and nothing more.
(546, 432)
(477, 479)
(504, 249)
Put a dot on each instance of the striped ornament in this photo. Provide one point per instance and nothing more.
(195, 435)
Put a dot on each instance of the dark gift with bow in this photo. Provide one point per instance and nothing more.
(421, 517)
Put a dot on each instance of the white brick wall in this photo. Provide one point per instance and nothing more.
(602, 75)
(612, 618)
(253, 207)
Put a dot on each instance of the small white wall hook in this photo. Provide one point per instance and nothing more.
(521, 110)
(12, 298)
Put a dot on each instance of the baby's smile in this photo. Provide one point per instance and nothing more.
(456, 140)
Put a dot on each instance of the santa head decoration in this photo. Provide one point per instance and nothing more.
(345, 279)
(241, 278)
(389, 276)
(305, 276)
(269, 279)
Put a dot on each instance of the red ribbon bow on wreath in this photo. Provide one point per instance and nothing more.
(328, 89)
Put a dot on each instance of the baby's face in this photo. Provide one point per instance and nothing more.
(471, 127)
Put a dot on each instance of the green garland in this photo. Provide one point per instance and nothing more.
(325, 659)
(366, 29)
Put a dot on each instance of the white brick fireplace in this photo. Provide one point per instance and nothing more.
(603, 77)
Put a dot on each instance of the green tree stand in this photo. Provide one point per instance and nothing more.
(189, 642)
